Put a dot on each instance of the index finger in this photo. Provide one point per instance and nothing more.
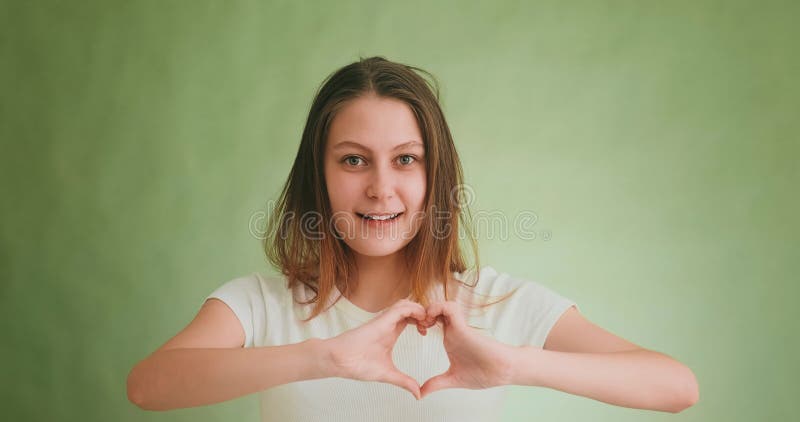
(406, 308)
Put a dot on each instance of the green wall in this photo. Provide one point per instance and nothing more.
(657, 143)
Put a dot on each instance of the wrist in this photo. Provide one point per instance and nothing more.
(323, 356)
(525, 360)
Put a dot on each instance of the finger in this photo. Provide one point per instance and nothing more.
(448, 311)
(421, 328)
(433, 312)
(428, 323)
(403, 381)
(407, 309)
(439, 382)
(403, 313)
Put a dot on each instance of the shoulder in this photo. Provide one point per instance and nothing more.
(270, 283)
(518, 292)
(254, 287)
(525, 310)
(489, 280)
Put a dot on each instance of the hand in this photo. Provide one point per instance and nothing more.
(476, 361)
(365, 352)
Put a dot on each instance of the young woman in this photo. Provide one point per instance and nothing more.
(375, 299)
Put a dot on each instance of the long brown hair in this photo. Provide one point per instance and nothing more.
(317, 258)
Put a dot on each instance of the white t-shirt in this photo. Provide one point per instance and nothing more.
(270, 317)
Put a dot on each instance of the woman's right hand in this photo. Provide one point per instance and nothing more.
(365, 352)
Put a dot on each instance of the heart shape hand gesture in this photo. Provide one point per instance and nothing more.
(476, 361)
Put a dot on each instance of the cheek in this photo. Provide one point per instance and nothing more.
(418, 189)
(341, 190)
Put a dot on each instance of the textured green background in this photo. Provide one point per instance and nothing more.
(657, 142)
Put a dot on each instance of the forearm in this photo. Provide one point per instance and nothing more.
(179, 378)
(642, 379)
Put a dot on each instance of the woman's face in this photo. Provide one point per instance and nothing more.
(374, 165)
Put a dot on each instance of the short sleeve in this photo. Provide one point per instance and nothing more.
(245, 297)
(539, 308)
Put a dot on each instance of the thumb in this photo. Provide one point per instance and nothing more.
(439, 382)
(404, 381)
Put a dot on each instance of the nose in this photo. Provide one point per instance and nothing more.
(380, 184)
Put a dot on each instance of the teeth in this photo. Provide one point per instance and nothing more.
(381, 218)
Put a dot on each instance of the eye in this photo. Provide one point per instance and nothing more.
(349, 160)
(413, 158)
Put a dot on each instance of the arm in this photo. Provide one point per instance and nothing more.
(179, 378)
(206, 363)
(641, 379)
(582, 358)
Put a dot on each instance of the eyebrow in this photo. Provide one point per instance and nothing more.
(362, 147)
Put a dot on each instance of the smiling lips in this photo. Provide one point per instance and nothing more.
(379, 216)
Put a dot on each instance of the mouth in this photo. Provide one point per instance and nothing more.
(380, 217)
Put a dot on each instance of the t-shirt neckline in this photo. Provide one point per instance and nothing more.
(352, 309)
(344, 304)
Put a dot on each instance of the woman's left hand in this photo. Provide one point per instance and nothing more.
(477, 361)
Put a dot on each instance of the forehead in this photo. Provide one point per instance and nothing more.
(376, 123)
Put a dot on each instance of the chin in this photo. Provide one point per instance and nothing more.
(377, 248)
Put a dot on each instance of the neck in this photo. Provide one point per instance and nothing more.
(381, 281)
